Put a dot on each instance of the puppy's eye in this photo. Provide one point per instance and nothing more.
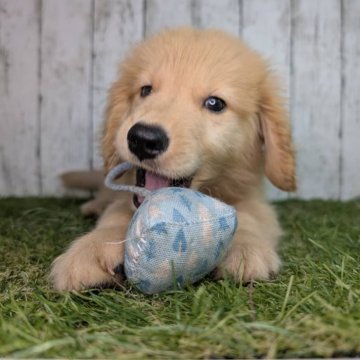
(214, 104)
(145, 90)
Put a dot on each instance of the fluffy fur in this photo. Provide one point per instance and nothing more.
(227, 152)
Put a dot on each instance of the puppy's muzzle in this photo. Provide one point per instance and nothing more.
(147, 141)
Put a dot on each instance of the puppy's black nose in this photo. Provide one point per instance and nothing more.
(147, 141)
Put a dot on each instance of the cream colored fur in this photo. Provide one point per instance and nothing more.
(226, 152)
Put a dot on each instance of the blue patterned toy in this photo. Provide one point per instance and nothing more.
(175, 237)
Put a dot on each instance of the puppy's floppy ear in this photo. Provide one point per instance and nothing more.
(118, 105)
(276, 135)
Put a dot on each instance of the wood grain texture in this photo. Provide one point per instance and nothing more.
(65, 53)
(350, 185)
(224, 15)
(19, 95)
(267, 28)
(316, 96)
(162, 14)
(118, 26)
(65, 86)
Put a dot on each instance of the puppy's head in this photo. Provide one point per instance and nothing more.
(198, 105)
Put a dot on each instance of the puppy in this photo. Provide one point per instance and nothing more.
(90, 180)
(191, 108)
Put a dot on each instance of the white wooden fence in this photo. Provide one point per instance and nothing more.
(58, 58)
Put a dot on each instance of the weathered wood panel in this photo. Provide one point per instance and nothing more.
(316, 96)
(65, 87)
(19, 97)
(267, 28)
(160, 14)
(118, 25)
(67, 52)
(224, 15)
(350, 186)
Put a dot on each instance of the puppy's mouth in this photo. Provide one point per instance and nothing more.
(152, 181)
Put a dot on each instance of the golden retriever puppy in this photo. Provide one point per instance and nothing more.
(194, 108)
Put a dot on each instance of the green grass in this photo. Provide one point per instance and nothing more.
(311, 310)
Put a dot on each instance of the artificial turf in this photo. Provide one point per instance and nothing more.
(312, 309)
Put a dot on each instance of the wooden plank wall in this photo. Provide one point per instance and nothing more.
(66, 79)
(317, 95)
(58, 58)
(19, 97)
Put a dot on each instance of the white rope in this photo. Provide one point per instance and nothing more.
(118, 171)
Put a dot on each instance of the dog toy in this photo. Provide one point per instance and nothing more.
(175, 237)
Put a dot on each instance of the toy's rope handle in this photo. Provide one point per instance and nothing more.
(118, 171)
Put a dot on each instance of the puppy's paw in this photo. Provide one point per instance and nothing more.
(92, 208)
(250, 264)
(89, 262)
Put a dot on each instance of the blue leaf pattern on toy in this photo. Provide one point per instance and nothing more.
(180, 244)
(199, 194)
(223, 225)
(160, 228)
(219, 250)
(178, 217)
(186, 202)
(202, 268)
(150, 250)
(144, 285)
(176, 189)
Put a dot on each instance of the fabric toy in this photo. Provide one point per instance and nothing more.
(175, 237)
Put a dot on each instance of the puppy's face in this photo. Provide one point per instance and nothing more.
(186, 109)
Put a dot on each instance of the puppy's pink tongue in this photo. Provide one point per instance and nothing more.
(154, 182)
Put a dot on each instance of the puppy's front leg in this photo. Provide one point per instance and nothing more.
(252, 255)
(96, 258)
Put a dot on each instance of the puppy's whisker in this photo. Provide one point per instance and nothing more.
(116, 242)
